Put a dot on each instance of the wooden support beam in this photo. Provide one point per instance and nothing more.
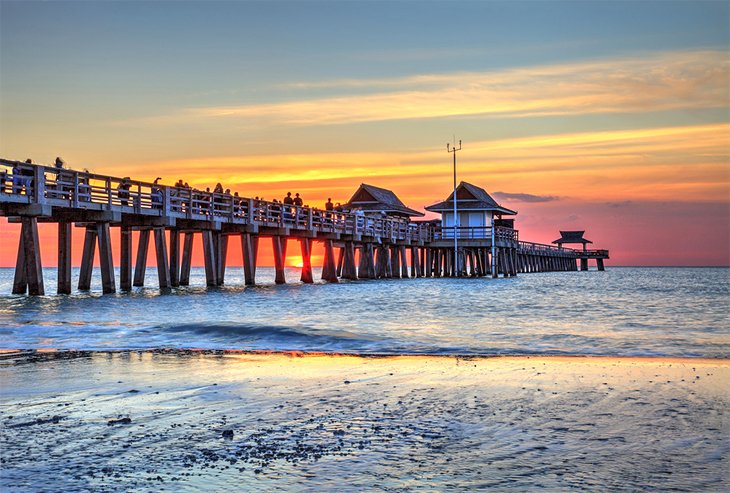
(599, 263)
(329, 270)
(221, 254)
(87, 259)
(423, 263)
(32, 247)
(279, 244)
(362, 269)
(380, 260)
(20, 281)
(403, 262)
(187, 256)
(209, 257)
(584, 264)
(174, 258)
(349, 271)
(394, 267)
(140, 268)
(64, 257)
(370, 257)
(415, 262)
(511, 268)
(306, 245)
(106, 262)
(340, 261)
(125, 260)
(163, 263)
(249, 247)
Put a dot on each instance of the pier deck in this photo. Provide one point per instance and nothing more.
(31, 193)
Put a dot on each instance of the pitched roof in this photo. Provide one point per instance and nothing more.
(470, 197)
(572, 237)
(376, 199)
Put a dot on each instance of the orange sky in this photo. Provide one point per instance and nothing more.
(619, 127)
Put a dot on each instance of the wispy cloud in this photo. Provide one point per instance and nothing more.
(666, 81)
(666, 163)
(524, 197)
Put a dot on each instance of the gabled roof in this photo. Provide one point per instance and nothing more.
(376, 199)
(470, 197)
(572, 237)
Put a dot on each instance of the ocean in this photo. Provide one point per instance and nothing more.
(579, 381)
(624, 311)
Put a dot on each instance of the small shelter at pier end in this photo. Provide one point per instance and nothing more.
(375, 200)
(576, 237)
(572, 237)
(476, 209)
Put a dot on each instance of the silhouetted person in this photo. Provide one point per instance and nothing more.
(328, 206)
(30, 161)
(298, 200)
(288, 200)
(156, 194)
(20, 180)
(123, 190)
(59, 163)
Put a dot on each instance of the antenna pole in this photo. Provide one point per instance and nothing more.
(457, 270)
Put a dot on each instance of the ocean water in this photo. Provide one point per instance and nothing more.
(682, 312)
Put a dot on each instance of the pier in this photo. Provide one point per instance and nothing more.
(356, 245)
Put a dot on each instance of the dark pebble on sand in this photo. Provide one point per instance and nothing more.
(121, 421)
(228, 434)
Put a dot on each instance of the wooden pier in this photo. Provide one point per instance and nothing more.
(356, 246)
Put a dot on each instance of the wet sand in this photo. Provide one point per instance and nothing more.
(192, 420)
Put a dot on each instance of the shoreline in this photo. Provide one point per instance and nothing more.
(65, 353)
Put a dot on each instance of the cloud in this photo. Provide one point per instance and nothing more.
(617, 205)
(673, 163)
(657, 82)
(524, 197)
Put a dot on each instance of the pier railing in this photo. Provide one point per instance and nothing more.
(475, 233)
(530, 248)
(37, 184)
(593, 253)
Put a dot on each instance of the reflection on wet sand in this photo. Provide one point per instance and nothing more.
(296, 422)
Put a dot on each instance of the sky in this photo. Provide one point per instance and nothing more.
(609, 117)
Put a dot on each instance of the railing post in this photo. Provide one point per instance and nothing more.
(165, 200)
(39, 178)
(108, 185)
(75, 201)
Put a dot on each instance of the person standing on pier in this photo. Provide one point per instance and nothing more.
(156, 194)
(21, 181)
(123, 190)
(288, 200)
(59, 163)
(298, 200)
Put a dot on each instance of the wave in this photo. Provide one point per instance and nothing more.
(277, 337)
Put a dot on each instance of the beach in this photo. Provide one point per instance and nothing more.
(186, 420)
